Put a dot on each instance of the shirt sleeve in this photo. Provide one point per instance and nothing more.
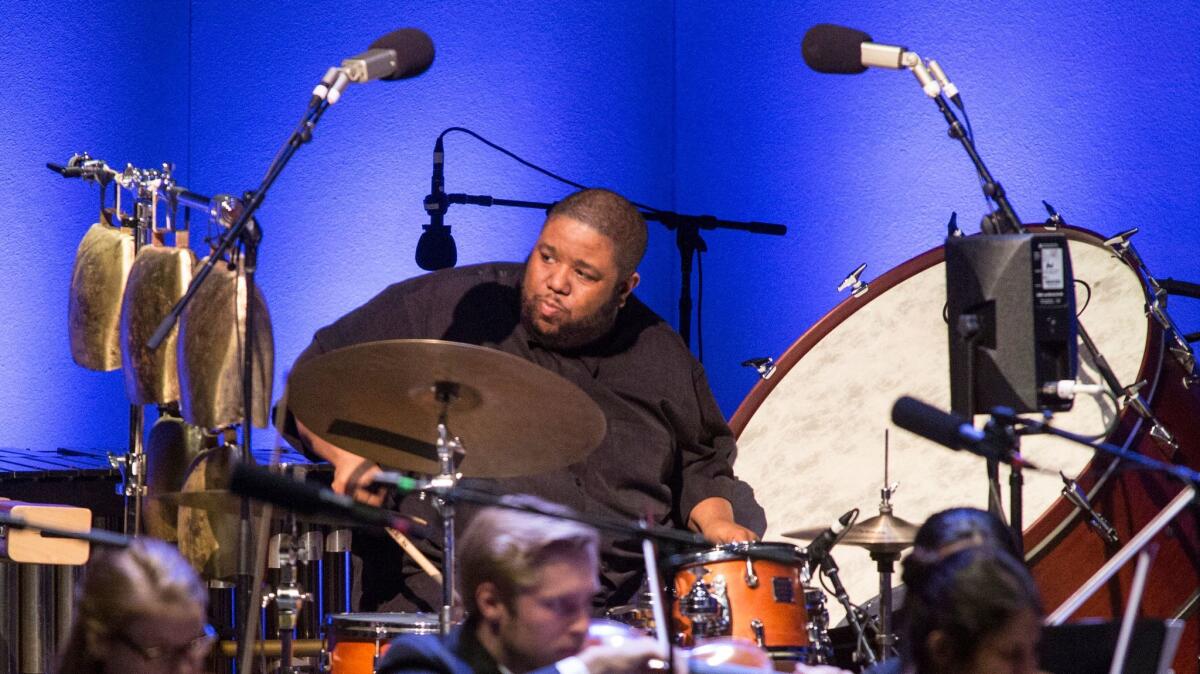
(707, 462)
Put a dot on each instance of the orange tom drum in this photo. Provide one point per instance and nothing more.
(755, 591)
(355, 641)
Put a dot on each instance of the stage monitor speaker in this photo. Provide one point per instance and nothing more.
(1011, 312)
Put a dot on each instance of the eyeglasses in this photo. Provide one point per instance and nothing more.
(194, 649)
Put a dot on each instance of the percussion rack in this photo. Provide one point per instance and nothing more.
(148, 187)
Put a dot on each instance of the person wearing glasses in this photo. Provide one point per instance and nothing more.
(140, 609)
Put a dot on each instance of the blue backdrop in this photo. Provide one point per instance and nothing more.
(701, 107)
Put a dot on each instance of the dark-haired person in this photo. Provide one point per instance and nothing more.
(970, 605)
(570, 309)
(139, 610)
(971, 609)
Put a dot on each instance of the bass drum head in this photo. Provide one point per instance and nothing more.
(811, 438)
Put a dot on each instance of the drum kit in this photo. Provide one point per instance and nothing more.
(816, 417)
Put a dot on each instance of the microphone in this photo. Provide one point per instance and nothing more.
(845, 51)
(307, 498)
(819, 549)
(399, 55)
(435, 248)
(951, 431)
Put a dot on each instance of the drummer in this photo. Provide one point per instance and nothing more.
(668, 452)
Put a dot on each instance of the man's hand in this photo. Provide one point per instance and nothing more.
(728, 531)
(632, 654)
(713, 517)
(351, 473)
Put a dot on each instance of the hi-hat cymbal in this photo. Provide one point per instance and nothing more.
(882, 533)
(380, 400)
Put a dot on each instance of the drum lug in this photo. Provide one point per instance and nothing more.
(751, 578)
(764, 366)
(1157, 430)
(708, 611)
(857, 287)
(756, 626)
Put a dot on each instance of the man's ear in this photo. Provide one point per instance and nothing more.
(626, 287)
(490, 603)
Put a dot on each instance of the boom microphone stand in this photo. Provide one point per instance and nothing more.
(686, 227)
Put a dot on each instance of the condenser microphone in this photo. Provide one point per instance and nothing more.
(399, 55)
(820, 547)
(307, 498)
(950, 430)
(839, 50)
(435, 248)
(845, 51)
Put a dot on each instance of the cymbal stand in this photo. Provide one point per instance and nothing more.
(288, 595)
(885, 558)
(444, 482)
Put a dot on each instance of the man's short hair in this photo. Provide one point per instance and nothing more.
(506, 547)
(613, 216)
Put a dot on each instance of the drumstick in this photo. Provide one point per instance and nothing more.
(421, 560)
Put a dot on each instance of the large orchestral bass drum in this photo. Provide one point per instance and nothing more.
(811, 438)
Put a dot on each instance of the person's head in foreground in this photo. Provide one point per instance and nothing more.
(138, 609)
(527, 584)
(969, 607)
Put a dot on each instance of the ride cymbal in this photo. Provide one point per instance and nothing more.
(383, 400)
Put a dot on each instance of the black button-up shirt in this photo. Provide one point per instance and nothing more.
(667, 445)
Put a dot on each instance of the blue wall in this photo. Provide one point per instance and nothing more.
(1091, 109)
(700, 106)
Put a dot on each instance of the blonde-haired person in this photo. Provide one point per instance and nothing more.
(140, 609)
(527, 583)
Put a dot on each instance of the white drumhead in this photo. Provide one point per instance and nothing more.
(814, 448)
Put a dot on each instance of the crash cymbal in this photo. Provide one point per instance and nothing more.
(882, 533)
(379, 400)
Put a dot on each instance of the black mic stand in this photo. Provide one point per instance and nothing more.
(94, 536)
(686, 227)
(862, 646)
(245, 231)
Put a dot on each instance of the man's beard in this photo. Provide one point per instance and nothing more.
(574, 333)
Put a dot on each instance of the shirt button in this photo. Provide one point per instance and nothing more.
(578, 482)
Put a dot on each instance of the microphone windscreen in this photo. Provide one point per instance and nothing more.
(436, 249)
(414, 52)
(928, 422)
(834, 49)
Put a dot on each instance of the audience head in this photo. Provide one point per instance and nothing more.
(528, 581)
(138, 609)
(970, 605)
